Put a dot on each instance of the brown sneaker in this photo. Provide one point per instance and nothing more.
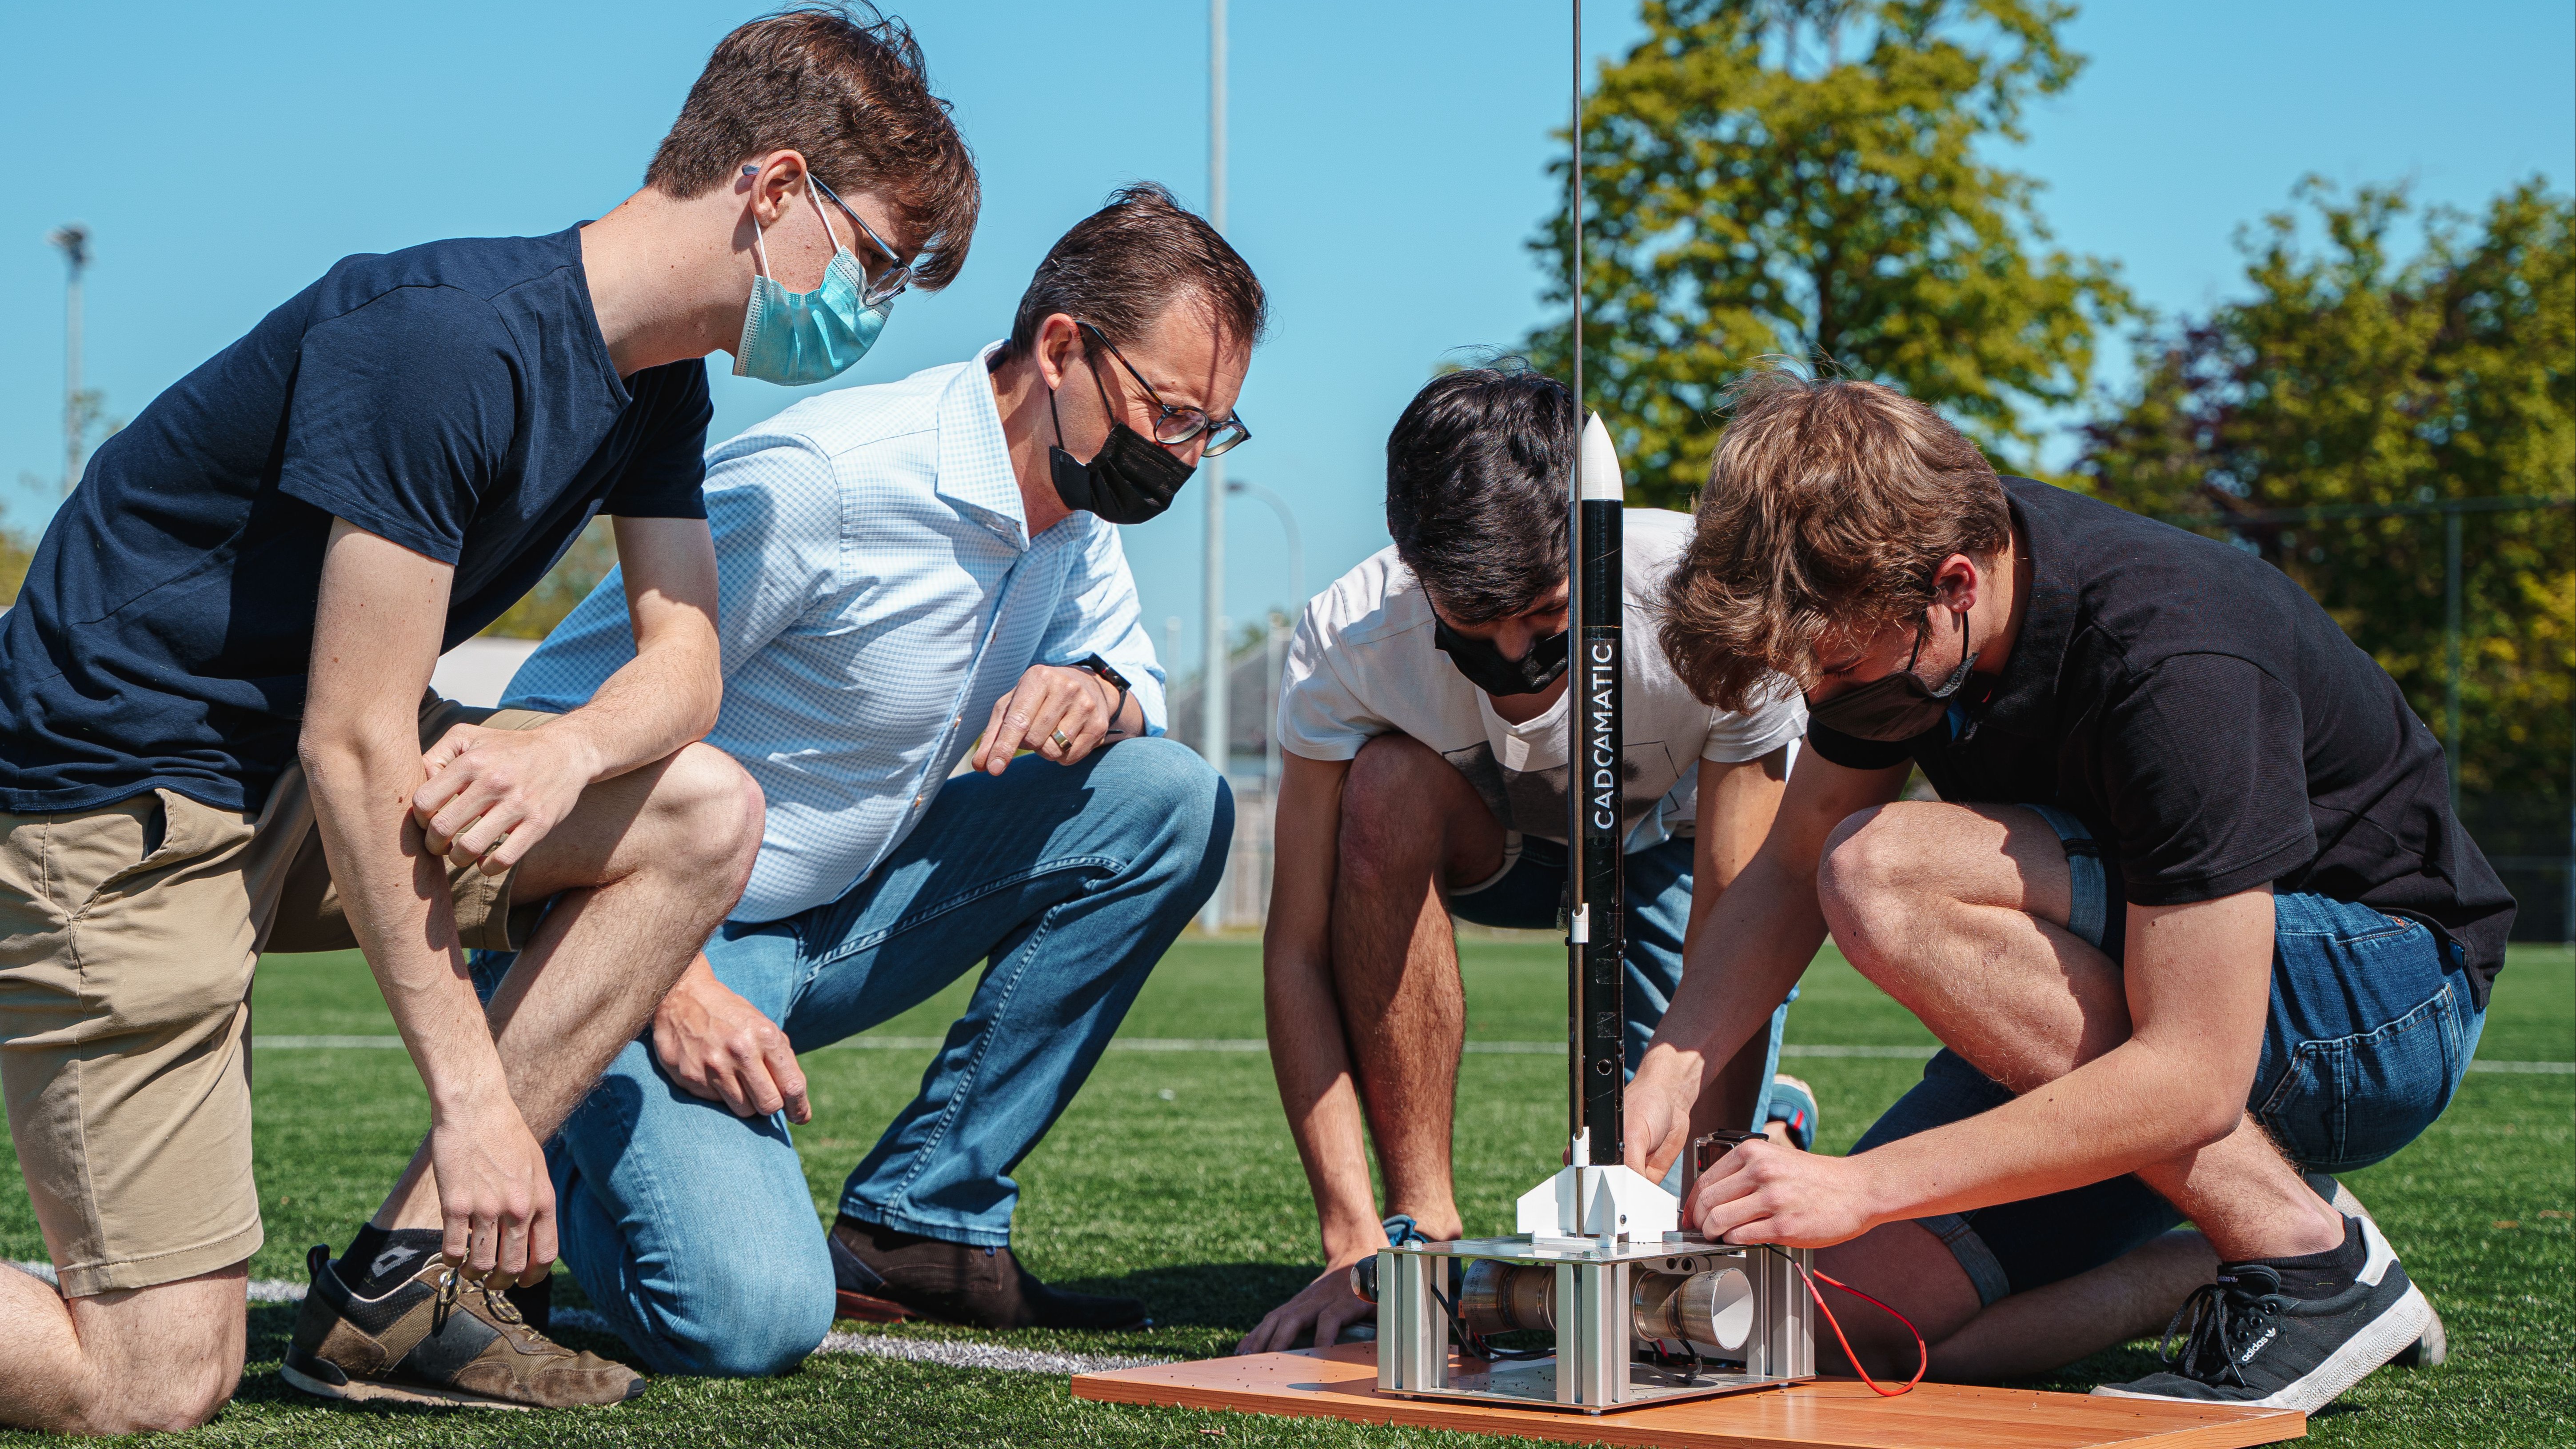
(885, 1276)
(438, 1338)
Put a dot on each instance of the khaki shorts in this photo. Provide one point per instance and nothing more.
(128, 934)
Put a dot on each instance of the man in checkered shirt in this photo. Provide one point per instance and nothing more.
(935, 669)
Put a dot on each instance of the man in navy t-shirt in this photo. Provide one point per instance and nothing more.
(216, 735)
(2192, 917)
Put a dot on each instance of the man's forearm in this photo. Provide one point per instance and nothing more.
(2115, 1114)
(1316, 1087)
(665, 697)
(395, 895)
(1756, 942)
(2198, 980)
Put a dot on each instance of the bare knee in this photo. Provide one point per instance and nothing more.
(711, 812)
(180, 1400)
(1407, 814)
(1874, 882)
(1388, 820)
(179, 1391)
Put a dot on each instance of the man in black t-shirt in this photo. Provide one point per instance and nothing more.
(2192, 917)
(216, 736)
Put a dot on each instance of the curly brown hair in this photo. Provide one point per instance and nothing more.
(844, 86)
(1828, 508)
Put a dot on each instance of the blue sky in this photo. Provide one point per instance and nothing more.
(1386, 165)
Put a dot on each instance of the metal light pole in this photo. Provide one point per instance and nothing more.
(1213, 681)
(74, 241)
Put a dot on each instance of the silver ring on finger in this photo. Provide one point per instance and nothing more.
(1061, 742)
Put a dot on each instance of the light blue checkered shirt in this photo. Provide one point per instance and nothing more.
(879, 593)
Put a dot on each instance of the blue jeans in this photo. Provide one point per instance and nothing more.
(1529, 895)
(2371, 1028)
(693, 1230)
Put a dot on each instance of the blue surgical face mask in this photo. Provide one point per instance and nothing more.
(792, 338)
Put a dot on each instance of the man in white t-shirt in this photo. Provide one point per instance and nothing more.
(1422, 726)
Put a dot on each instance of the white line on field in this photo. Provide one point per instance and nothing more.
(952, 1353)
(1255, 1044)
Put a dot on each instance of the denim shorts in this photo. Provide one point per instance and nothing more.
(2372, 1025)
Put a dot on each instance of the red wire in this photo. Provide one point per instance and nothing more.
(1925, 1350)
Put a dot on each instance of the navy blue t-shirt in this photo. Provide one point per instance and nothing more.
(456, 398)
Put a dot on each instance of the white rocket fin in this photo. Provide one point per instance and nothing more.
(1618, 1201)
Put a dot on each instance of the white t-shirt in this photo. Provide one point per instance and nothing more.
(1363, 664)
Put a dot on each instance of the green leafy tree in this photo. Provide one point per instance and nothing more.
(2352, 375)
(569, 582)
(1811, 179)
(15, 554)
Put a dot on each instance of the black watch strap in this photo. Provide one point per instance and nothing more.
(1094, 664)
(1101, 667)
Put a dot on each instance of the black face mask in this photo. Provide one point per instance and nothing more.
(1487, 669)
(1130, 480)
(1897, 707)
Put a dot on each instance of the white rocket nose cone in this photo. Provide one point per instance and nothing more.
(1600, 464)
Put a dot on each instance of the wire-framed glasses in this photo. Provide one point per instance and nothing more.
(1175, 426)
(890, 283)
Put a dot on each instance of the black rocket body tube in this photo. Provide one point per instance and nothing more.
(1597, 787)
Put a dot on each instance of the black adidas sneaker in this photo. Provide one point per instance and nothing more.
(2432, 1348)
(2247, 1342)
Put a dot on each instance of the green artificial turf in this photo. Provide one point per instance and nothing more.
(1172, 1178)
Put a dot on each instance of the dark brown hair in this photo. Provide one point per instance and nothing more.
(1475, 489)
(845, 87)
(1122, 265)
(1829, 506)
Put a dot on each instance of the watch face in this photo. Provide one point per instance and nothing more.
(1100, 666)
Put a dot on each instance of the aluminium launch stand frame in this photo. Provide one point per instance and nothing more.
(1594, 1369)
(1597, 1224)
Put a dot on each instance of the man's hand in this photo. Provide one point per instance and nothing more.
(1766, 1193)
(1655, 1122)
(494, 1197)
(1324, 1307)
(1048, 699)
(492, 795)
(718, 1046)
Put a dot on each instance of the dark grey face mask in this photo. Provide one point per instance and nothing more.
(1898, 707)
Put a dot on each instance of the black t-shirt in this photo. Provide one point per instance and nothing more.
(2212, 727)
(456, 398)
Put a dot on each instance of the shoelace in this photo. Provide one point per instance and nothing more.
(453, 1285)
(2215, 1321)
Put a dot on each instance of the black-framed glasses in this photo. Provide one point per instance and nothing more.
(891, 282)
(1175, 426)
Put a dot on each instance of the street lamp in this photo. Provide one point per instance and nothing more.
(1287, 526)
(1212, 691)
(74, 241)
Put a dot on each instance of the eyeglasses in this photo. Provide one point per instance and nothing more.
(1178, 425)
(890, 282)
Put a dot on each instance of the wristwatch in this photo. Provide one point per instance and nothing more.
(1094, 664)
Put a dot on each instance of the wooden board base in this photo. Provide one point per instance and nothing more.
(1341, 1383)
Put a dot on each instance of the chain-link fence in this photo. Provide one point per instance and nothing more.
(2491, 678)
